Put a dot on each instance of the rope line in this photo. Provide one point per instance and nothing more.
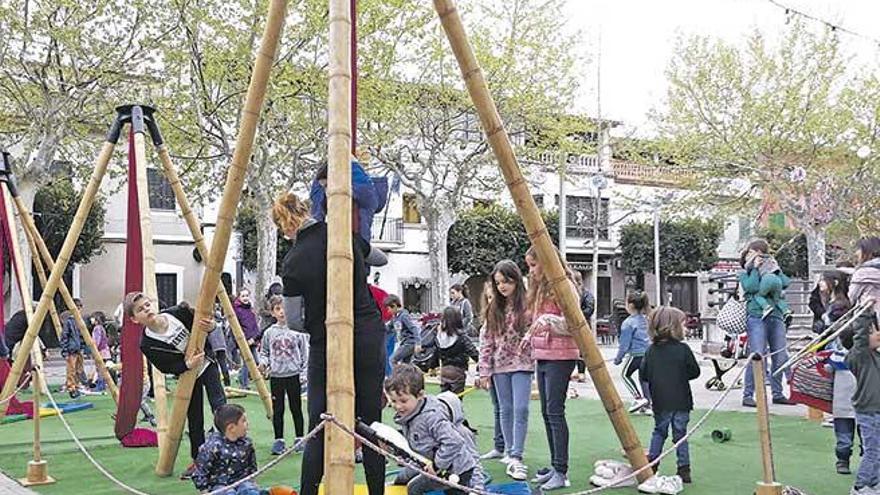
(219, 491)
(385, 453)
(690, 432)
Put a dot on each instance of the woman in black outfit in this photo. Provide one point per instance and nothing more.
(304, 274)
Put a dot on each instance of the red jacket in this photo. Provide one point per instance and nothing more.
(550, 338)
(379, 296)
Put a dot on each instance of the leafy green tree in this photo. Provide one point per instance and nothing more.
(55, 205)
(686, 246)
(424, 127)
(484, 235)
(246, 225)
(767, 119)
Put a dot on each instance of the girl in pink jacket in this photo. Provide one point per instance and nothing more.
(556, 354)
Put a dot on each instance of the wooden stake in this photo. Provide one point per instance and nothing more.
(35, 239)
(195, 229)
(70, 240)
(41, 275)
(537, 231)
(231, 194)
(160, 393)
(37, 471)
(768, 485)
(338, 454)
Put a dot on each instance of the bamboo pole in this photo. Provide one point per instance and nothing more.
(195, 229)
(70, 240)
(338, 458)
(39, 248)
(37, 469)
(768, 485)
(41, 276)
(231, 194)
(537, 231)
(160, 393)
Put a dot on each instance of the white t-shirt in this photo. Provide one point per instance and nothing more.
(176, 335)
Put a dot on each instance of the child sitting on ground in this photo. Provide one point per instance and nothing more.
(864, 361)
(284, 353)
(227, 455)
(432, 433)
(668, 367)
(407, 332)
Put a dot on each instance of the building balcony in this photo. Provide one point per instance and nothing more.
(387, 232)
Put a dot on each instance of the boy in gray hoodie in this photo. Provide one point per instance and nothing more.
(284, 354)
(435, 428)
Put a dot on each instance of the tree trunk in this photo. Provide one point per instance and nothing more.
(439, 221)
(267, 246)
(27, 190)
(815, 249)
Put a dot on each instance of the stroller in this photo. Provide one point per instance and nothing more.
(735, 348)
(426, 358)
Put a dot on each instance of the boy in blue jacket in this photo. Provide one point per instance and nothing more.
(407, 332)
(71, 349)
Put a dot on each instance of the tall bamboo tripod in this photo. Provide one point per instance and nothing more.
(37, 468)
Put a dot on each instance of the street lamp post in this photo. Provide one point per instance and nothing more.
(657, 299)
(599, 182)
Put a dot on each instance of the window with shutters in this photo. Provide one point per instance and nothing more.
(161, 194)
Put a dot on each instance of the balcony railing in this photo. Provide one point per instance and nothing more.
(392, 231)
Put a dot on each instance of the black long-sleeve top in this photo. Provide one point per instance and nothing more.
(304, 273)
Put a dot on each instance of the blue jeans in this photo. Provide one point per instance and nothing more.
(869, 425)
(763, 332)
(513, 391)
(246, 488)
(553, 377)
(845, 433)
(390, 342)
(497, 435)
(679, 422)
(243, 375)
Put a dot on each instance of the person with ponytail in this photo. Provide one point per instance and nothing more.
(304, 275)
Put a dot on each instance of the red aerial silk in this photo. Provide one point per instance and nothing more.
(131, 390)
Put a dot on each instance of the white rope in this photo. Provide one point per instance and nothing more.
(135, 491)
(690, 432)
(385, 453)
(21, 386)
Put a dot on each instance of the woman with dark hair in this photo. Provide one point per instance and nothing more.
(865, 282)
(304, 274)
(762, 283)
(454, 348)
(458, 297)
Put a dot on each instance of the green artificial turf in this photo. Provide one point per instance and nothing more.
(804, 452)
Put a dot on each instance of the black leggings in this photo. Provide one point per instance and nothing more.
(195, 414)
(369, 373)
(288, 385)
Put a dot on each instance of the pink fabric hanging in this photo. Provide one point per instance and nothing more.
(131, 391)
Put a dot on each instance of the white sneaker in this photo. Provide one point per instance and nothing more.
(638, 404)
(517, 470)
(665, 485)
(506, 459)
(492, 454)
(865, 490)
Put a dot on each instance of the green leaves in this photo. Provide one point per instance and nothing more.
(485, 235)
(686, 246)
(55, 206)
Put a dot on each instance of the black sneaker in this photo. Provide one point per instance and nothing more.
(749, 402)
(783, 401)
(187, 473)
(843, 467)
(685, 473)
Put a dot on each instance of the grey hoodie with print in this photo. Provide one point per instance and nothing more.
(285, 351)
(436, 430)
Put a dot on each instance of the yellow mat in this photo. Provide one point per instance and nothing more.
(362, 490)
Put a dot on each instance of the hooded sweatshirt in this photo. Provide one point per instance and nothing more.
(866, 282)
(865, 365)
(285, 350)
(247, 318)
(436, 430)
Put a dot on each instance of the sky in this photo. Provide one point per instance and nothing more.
(631, 41)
